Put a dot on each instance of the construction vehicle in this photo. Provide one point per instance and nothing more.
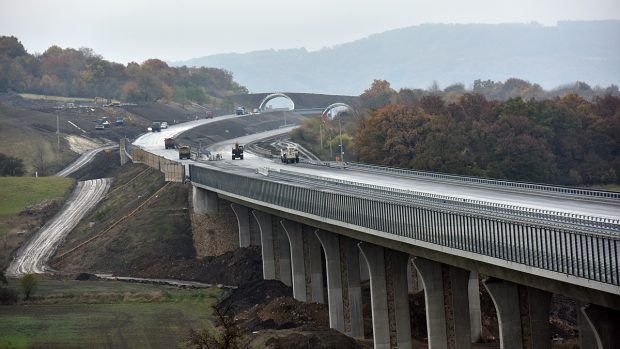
(156, 127)
(185, 152)
(289, 154)
(169, 143)
(237, 151)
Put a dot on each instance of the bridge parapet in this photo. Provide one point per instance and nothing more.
(508, 185)
(554, 252)
(172, 170)
(584, 223)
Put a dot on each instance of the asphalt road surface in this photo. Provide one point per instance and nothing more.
(34, 255)
(154, 143)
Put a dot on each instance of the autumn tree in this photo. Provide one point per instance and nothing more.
(377, 95)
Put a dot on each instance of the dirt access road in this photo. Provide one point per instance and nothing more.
(34, 255)
(83, 160)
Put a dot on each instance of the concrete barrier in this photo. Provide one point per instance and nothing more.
(172, 170)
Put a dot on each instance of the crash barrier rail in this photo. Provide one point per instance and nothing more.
(172, 170)
(508, 185)
(557, 249)
(129, 147)
(599, 225)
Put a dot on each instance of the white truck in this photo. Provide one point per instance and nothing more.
(289, 154)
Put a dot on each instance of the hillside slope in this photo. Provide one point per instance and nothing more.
(446, 53)
(158, 232)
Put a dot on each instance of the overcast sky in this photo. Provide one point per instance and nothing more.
(135, 30)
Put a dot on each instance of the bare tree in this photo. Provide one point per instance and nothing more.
(225, 335)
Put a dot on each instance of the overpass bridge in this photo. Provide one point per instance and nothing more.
(310, 103)
(434, 231)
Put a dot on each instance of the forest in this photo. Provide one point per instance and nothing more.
(567, 140)
(82, 73)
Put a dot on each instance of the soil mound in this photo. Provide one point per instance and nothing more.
(286, 312)
(254, 293)
(231, 268)
(301, 339)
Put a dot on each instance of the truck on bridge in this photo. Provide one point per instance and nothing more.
(289, 154)
(169, 143)
(185, 152)
(237, 151)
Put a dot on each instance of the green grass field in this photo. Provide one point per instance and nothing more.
(105, 314)
(18, 192)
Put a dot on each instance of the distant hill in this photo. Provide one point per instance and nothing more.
(447, 53)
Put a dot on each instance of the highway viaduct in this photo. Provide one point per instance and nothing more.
(402, 240)
(399, 242)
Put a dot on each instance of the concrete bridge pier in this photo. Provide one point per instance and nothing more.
(204, 201)
(397, 272)
(447, 304)
(475, 313)
(331, 248)
(284, 253)
(599, 327)
(295, 239)
(391, 321)
(354, 289)
(265, 226)
(375, 260)
(316, 269)
(505, 296)
(522, 314)
(243, 219)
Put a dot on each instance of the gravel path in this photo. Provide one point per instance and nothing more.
(83, 160)
(34, 255)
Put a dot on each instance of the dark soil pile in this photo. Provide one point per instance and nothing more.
(251, 294)
(232, 268)
(303, 339)
(283, 313)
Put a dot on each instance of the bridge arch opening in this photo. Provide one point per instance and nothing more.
(334, 109)
(277, 101)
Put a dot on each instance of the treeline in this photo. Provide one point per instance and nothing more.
(505, 90)
(11, 166)
(565, 140)
(82, 73)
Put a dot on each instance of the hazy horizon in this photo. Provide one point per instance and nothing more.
(134, 31)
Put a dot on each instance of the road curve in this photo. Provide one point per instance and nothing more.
(83, 160)
(34, 255)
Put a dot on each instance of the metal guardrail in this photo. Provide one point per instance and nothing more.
(129, 148)
(594, 224)
(509, 185)
(583, 255)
